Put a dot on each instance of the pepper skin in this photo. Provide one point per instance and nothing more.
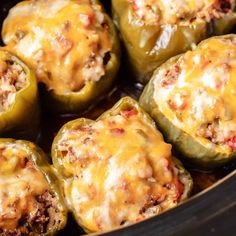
(192, 99)
(74, 50)
(118, 170)
(21, 119)
(30, 199)
(155, 30)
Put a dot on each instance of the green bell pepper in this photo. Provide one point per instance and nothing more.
(149, 44)
(76, 52)
(21, 117)
(191, 97)
(117, 169)
(31, 201)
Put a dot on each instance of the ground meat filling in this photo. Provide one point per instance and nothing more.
(37, 223)
(213, 132)
(70, 41)
(197, 92)
(171, 76)
(12, 80)
(153, 12)
(27, 206)
(121, 170)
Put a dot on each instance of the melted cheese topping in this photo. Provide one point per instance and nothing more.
(154, 12)
(20, 183)
(64, 41)
(12, 80)
(121, 171)
(198, 92)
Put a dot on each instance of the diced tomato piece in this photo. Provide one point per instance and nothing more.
(64, 153)
(86, 19)
(117, 131)
(178, 103)
(135, 5)
(166, 82)
(231, 143)
(129, 113)
(84, 128)
(171, 77)
(179, 187)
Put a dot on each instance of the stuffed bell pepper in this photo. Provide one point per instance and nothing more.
(192, 98)
(72, 46)
(19, 109)
(155, 30)
(118, 170)
(30, 200)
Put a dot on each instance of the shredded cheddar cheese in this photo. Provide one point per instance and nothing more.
(64, 41)
(198, 92)
(120, 171)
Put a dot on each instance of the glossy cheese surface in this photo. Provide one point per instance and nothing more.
(155, 12)
(20, 185)
(120, 169)
(197, 93)
(65, 41)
